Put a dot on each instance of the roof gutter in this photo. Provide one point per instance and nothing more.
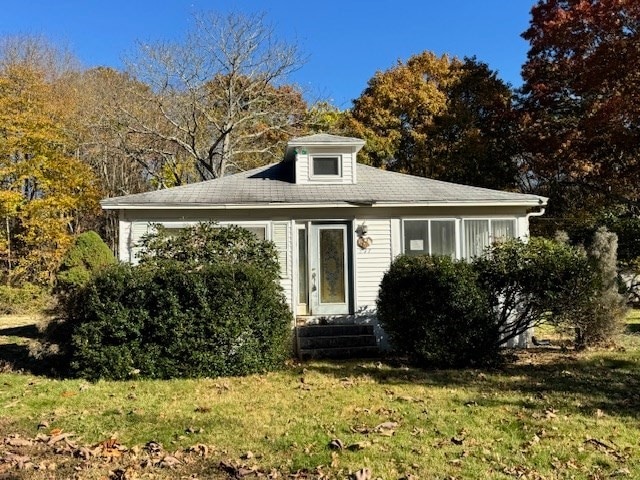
(282, 205)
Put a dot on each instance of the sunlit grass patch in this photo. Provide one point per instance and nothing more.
(549, 414)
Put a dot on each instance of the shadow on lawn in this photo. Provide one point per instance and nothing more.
(15, 355)
(26, 331)
(571, 382)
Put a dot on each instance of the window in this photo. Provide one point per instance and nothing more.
(443, 238)
(479, 234)
(326, 166)
(259, 232)
(435, 237)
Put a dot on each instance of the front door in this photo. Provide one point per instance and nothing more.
(329, 277)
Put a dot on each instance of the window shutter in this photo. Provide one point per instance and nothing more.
(281, 240)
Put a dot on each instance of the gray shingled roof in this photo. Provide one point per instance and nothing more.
(324, 139)
(273, 184)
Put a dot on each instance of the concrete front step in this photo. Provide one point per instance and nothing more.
(336, 341)
(333, 330)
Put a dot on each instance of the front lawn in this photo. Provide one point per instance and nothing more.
(550, 414)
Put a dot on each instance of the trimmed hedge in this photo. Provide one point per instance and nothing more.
(436, 314)
(170, 321)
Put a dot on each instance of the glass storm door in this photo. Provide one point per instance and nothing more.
(329, 269)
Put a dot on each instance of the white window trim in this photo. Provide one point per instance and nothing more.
(457, 231)
(324, 178)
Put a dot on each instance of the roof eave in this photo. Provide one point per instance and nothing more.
(541, 202)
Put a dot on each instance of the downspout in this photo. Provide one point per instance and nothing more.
(539, 213)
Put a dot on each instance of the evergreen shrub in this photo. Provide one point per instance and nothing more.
(436, 314)
(217, 310)
(88, 255)
(168, 321)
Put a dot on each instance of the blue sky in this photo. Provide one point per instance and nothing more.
(345, 42)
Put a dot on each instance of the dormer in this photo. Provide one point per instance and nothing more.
(324, 159)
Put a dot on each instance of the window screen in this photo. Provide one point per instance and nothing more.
(416, 237)
(326, 166)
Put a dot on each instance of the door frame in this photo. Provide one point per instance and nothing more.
(312, 307)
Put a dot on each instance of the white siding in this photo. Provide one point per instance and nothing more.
(124, 236)
(302, 168)
(373, 262)
(347, 168)
(304, 158)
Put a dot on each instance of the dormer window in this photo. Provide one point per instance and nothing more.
(323, 159)
(325, 165)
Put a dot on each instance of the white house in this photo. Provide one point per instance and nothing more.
(337, 224)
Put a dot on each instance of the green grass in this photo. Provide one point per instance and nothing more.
(547, 415)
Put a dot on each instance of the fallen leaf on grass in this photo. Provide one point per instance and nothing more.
(17, 441)
(336, 444)
(57, 438)
(362, 474)
(409, 399)
(354, 447)
(387, 426)
(200, 449)
(169, 461)
(363, 429)
(347, 382)
(236, 471)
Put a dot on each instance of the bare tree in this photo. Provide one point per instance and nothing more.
(220, 98)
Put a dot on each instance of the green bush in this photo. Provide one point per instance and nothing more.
(88, 255)
(25, 299)
(436, 314)
(207, 243)
(535, 282)
(167, 321)
(203, 302)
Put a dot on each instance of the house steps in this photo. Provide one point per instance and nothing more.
(336, 341)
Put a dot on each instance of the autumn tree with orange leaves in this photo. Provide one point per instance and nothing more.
(442, 118)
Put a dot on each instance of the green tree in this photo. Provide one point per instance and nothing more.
(474, 140)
